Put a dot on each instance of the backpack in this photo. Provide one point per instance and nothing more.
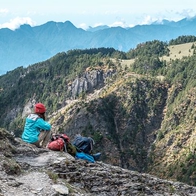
(58, 142)
(83, 144)
(61, 142)
(84, 156)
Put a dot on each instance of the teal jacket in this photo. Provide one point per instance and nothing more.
(33, 125)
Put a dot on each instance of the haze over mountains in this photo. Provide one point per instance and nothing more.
(28, 45)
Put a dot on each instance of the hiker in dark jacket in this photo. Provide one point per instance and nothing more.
(36, 129)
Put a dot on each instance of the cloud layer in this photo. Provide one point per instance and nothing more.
(17, 22)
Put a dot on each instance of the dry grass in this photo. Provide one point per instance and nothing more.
(176, 52)
(127, 62)
(124, 63)
(179, 51)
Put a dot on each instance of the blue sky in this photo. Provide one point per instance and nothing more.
(84, 13)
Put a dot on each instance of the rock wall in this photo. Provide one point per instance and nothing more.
(89, 81)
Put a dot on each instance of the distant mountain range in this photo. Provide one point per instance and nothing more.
(28, 45)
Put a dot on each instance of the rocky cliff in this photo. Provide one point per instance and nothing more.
(29, 171)
(122, 117)
(89, 81)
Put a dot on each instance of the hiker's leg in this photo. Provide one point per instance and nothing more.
(37, 144)
(44, 138)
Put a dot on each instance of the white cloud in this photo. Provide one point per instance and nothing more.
(83, 26)
(118, 24)
(188, 13)
(3, 11)
(98, 24)
(148, 20)
(17, 22)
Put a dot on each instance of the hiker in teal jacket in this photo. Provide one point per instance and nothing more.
(36, 129)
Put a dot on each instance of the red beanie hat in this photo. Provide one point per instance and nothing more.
(39, 108)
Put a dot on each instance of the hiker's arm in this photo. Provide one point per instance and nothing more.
(43, 124)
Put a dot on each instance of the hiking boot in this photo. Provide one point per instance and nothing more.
(96, 156)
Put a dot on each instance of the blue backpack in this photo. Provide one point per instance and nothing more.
(84, 156)
(83, 144)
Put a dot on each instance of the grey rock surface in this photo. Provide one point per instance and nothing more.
(32, 171)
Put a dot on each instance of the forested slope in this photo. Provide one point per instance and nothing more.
(141, 115)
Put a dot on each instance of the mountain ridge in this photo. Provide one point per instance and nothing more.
(28, 45)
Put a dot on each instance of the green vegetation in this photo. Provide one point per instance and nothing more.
(148, 104)
(148, 49)
(53, 176)
(182, 39)
(48, 81)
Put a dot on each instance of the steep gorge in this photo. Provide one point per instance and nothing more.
(123, 118)
(141, 119)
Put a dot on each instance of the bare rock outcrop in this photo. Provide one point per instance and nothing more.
(89, 81)
(35, 171)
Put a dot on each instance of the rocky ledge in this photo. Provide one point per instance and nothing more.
(29, 171)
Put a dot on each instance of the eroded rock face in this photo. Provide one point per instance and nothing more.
(104, 179)
(89, 81)
(52, 173)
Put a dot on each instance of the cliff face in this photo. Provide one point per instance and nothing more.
(89, 81)
(122, 117)
(138, 125)
(27, 170)
(174, 152)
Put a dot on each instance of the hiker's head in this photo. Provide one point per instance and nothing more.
(40, 109)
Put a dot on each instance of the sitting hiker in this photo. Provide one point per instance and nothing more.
(36, 129)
